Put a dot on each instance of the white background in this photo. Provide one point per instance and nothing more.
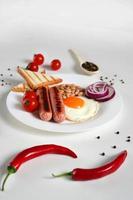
(102, 32)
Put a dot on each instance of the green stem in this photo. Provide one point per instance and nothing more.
(63, 174)
(3, 184)
(11, 170)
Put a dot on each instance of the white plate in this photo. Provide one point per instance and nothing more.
(108, 110)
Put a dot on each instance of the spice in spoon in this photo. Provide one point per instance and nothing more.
(89, 66)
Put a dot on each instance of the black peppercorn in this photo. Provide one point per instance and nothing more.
(102, 154)
(89, 66)
(114, 147)
(117, 132)
(98, 137)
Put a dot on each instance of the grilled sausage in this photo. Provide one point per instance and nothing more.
(45, 111)
(57, 105)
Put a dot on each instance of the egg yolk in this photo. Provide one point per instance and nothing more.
(74, 102)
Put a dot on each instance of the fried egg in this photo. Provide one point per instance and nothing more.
(79, 109)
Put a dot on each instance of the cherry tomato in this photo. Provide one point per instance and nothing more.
(30, 105)
(38, 59)
(30, 94)
(55, 64)
(33, 67)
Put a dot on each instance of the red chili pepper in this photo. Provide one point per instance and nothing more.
(79, 174)
(34, 152)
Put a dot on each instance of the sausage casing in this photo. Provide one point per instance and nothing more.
(57, 105)
(45, 111)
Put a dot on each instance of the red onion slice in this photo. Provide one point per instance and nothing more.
(99, 87)
(97, 90)
(110, 95)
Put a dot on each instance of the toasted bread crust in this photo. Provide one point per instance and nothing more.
(37, 80)
(22, 87)
(27, 78)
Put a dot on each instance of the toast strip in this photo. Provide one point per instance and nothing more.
(36, 79)
(22, 87)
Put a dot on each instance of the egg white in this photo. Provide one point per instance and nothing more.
(89, 110)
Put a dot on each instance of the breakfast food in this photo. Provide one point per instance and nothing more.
(53, 106)
(57, 105)
(36, 79)
(30, 94)
(79, 109)
(100, 91)
(64, 101)
(55, 64)
(38, 59)
(59, 102)
(30, 105)
(21, 87)
(45, 111)
(32, 67)
(68, 90)
(50, 104)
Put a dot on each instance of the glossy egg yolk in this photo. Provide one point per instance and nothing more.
(74, 102)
